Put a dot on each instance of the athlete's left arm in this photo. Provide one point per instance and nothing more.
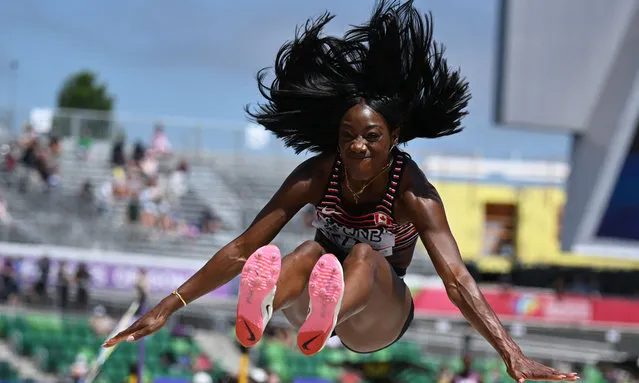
(423, 206)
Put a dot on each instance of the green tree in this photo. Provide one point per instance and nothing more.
(84, 105)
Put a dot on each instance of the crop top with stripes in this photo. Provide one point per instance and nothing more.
(376, 227)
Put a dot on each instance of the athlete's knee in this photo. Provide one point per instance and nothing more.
(362, 253)
(310, 246)
(307, 251)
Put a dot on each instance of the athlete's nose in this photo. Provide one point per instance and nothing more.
(359, 145)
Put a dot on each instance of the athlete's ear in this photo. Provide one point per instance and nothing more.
(395, 137)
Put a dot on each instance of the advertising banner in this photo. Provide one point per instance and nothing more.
(539, 307)
(115, 273)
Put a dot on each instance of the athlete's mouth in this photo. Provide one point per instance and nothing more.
(358, 158)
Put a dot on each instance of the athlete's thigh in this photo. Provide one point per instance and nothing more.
(296, 270)
(382, 320)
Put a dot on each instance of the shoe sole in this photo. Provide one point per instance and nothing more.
(326, 290)
(258, 284)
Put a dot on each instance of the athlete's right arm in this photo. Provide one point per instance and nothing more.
(296, 191)
(301, 187)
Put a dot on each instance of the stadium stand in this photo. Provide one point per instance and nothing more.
(415, 365)
(56, 343)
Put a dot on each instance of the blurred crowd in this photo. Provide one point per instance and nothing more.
(153, 183)
(55, 284)
(150, 180)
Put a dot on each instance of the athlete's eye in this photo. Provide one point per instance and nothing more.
(373, 137)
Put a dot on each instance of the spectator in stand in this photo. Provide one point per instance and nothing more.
(160, 144)
(118, 156)
(101, 323)
(120, 181)
(28, 144)
(9, 154)
(10, 282)
(133, 209)
(83, 146)
(40, 288)
(134, 181)
(48, 163)
(63, 282)
(5, 217)
(104, 197)
(139, 152)
(178, 183)
(82, 280)
(467, 374)
(27, 137)
(86, 192)
(209, 222)
(149, 165)
(79, 368)
(155, 208)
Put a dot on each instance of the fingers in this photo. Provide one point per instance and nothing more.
(140, 334)
(120, 337)
(555, 375)
(540, 372)
(569, 377)
(558, 375)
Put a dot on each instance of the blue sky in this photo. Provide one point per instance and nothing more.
(199, 58)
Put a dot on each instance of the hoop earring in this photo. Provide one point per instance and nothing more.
(395, 143)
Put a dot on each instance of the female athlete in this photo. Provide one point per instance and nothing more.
(352, 100)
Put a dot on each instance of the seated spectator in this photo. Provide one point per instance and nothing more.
(105, 197)
(118, 157)
(80, 368)
(10, 282)
(83, 146)
(209, 222)
(149, 165)
(9, 157)
(155, 208)
(100, 322)
(120, 183)
(86, 192)
(133, 209)
(29, 146)
(178, 185)
(135, 181)
(139, 152)
(5, 217)
(160, 144)
(47, 162)
(82, 280)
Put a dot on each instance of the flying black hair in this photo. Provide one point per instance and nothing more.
(392, 63)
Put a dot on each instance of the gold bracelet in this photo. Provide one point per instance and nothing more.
(175, 292)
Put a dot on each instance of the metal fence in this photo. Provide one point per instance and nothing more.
(236, 167)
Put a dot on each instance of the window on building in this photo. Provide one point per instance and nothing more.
(499, 229)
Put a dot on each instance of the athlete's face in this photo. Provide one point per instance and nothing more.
(365, 141)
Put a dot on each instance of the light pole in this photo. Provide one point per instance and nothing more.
(14, 66)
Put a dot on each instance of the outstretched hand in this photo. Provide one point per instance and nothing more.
(149, 323)
(522, 369)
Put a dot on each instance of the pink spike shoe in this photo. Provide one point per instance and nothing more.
(326, 290)
(258, 283)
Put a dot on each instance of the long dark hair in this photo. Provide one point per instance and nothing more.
(391, 62)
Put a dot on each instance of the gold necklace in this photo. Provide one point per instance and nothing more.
(367, 184)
